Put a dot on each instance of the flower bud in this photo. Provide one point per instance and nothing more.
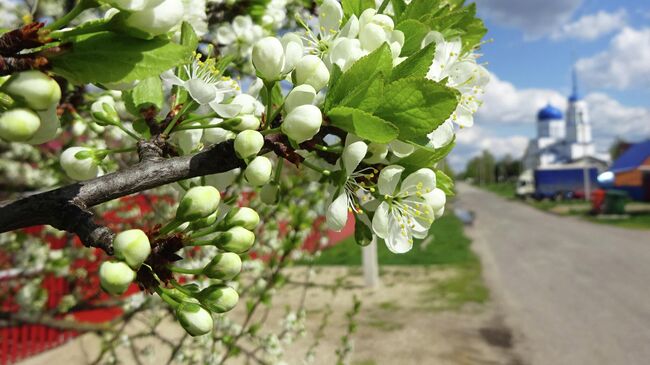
(299, 95)
(302, 123)
(436, 199)
(270, 194)
(158, 19)
(293, 50)
(205, 222)
(132, 246)
(218, 298)
(195, 319)
(311, 70)
(217, 135)
(115, 277)
(244, 217)
(259, 171)
(19, 125)
(237, 240)
(246, 122)
(224, 266)
(49, 128)
(79, 163)
(37, 90)
(248, 144)
(248, 103)
(268, 58)
(198, 202)
(130, 5)
(103, 111)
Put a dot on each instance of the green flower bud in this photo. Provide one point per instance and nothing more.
(79, 164)
(259, 171)
(302, 123)
(247, 122)
(311, 70)
(218, 298)
(270, 194)
(115, 277)
(268, 58)
(198, 202)
(236, 239)
(19, 125)
(244, 217)
(34, 88)
(195, 319)
(224, 266)
(132, 246)
(248, 143)
(103, 111)
(205, 222)
(49, 128)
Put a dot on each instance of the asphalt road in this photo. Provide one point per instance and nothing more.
(574, 292)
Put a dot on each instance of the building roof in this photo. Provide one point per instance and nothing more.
(632, 158)
(549, 112)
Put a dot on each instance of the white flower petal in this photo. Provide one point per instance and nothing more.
(337, 213)
(421, 181)
(442, 135)
(352, 155)
(398, 240)
(389, 178)
(226, 110)
(380, 220)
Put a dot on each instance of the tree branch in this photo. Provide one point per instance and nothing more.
(66, 208)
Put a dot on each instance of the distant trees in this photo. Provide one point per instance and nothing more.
(618, 147)
(486, 169)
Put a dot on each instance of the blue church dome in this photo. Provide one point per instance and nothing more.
(549, 112)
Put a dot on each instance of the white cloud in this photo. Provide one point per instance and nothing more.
(535, 17)
(504, 103)
(612, 119)
(592, 26)
(624, 65)
(471, 142)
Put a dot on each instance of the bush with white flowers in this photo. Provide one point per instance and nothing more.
(246, 138)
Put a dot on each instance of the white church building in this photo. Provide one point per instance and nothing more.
(563, 138)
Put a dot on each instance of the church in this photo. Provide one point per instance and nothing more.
(563, 138)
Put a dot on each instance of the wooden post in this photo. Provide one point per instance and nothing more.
(370, 264)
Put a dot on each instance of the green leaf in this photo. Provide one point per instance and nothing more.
(416, 106)
(108, 57)
(419, 8)
(417, 65)
(189, 38)
(426, 156)
(367, 96)
(379, 61)
(356, 7)
(414, 32)
(398, 7)
(444, 183)
(363, 124)
(146, 93)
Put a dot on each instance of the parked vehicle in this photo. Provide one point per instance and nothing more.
(556, 182)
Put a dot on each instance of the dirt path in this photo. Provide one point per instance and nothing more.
(407, 321)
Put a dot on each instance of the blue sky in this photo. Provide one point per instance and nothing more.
(533, 47)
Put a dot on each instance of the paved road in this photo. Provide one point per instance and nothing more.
(578, 293)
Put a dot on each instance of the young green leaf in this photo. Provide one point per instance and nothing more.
(444, 183)
(416, 106)
(416, 65)
(425, 157)
(356, 7)
(367, 96)
(363, 124)
(146, 93)
(414, 32)
(108, 57)
(379, 61)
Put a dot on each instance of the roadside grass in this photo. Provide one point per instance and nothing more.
(446, 244)
(636, 221)
(505, 190)
(446, 249)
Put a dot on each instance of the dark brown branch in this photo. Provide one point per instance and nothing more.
(66, 208)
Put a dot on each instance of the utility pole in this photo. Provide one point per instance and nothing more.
(370, 264)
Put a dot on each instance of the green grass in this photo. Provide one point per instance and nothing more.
(446, 245)
(464, 286)
(506, 190)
